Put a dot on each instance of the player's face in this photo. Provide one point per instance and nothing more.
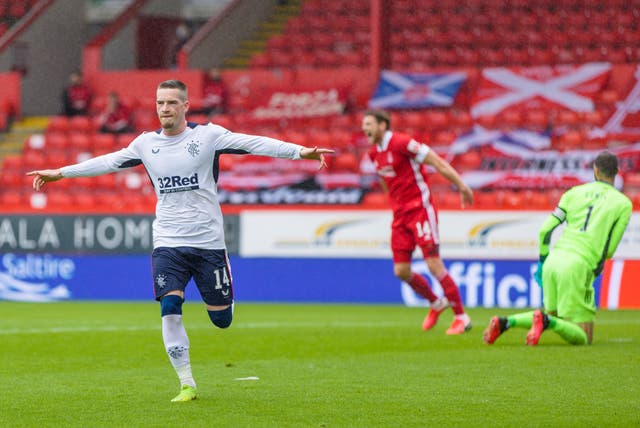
(171, 110)
(372, 129)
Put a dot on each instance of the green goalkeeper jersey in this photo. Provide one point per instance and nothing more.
(596, 215)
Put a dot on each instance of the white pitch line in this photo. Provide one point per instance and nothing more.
(238, 325)
(267, 325)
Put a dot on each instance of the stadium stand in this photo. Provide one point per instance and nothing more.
(425, 36)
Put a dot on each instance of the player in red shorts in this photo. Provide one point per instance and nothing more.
(400, 161)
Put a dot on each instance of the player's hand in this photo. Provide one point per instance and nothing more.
(43, 176)
(315, 154)
(538, 274)
(466, 196)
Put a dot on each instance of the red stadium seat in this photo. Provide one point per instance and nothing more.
(567, 118)
(11, 198)
(12, 163)
(104, 143)
(58, 124)
(57, 158)
(536, 119)
(80, 142)
(345, 162)
(34, 159)
(58, 199)
(375, 199)
(572, 140)
(81, 124)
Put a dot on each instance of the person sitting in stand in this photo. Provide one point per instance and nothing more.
(77, 96)
(214, 93)
(116, 119)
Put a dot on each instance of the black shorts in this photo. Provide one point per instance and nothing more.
(172, 268)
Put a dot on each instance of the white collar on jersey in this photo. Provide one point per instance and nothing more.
(384, 144)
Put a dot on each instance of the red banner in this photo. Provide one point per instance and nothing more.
(301, 103)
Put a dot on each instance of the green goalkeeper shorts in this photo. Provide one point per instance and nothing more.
(568, 287)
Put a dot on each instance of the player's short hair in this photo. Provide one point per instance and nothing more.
(607, 163)
(380, 116)
(175, 84)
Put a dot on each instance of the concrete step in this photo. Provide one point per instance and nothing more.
(13, 142)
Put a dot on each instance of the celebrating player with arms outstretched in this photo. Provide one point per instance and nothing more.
(182, 162)
(400, 162)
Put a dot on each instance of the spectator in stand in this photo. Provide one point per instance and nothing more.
(182, 35)
(214, 93)
(77, 96)
(116, 119)
(401, 164)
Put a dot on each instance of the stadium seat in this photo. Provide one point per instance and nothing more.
(448, 200)
(123, 140)
(536, 119)
(437, 120)
(375, 199)
(79, 142)
(58, 124)
(146, 121)
(103, 142)
(11, 198)
(10, 179)
(632, 181)
(34, 159)
(567, 118)
(572, 140)
(105, 182)
(510, 119)
(593, 118)
(469, 160)
(84, 199)
(345, 162)
(512, 200)
(12, 163)
(57, 158)
(487, 200)
(58, 199)
(81, 124)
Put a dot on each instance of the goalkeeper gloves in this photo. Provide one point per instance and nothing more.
(538, 274)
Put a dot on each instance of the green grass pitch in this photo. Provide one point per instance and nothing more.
(86, 364)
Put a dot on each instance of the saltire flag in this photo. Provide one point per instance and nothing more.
(626, 118)
(566, 87)
(507, 140)
(416, 90)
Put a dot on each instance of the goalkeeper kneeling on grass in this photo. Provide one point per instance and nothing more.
(596, 215)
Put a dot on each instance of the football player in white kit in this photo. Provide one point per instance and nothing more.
(181, 159)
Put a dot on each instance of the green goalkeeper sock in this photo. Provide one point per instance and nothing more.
(569, 331)
(522, 320)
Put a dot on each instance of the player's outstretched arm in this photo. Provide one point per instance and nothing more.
(315, 153)
(43, 176)
(447, 171)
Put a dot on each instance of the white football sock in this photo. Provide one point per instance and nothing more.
(176, 343)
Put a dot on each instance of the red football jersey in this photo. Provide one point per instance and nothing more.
(398, 160)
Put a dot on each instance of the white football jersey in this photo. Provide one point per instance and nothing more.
(184, 172)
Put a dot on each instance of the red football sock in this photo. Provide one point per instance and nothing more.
(421, 286)
(451, 291)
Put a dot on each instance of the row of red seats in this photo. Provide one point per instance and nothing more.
(91, 197)
(480, 35)
(476, 6)
(496, 199)
(14, 10)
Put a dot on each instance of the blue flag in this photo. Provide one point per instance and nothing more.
(416, 90)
